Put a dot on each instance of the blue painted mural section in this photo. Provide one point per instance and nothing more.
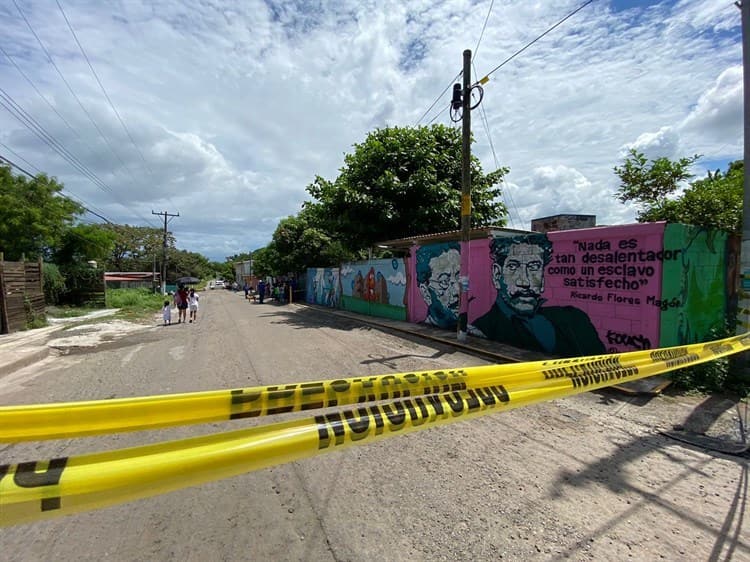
(323, 286)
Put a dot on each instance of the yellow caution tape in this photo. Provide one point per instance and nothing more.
(39, 490)
(77, 419)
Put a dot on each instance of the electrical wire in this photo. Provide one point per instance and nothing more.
(70, 196)
(530, 43)
(72, 92)
(14, 153)
(506, 192)
(492, 3)
(103, 89)
(52, 107)
(39, 93)
(10, 105)
(450, 84)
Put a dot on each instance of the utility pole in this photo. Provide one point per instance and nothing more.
(463, 303)
(743, 306)
(164, 251)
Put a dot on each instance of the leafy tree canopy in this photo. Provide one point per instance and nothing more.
(136, 247)
(33, 214)
(711, 202)
(82, 243)
(402, 181)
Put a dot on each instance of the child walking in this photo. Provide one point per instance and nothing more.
(166, 313)
(193, 302)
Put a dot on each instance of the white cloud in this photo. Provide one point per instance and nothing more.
(718, 113)
(237, 107)
(662, 143)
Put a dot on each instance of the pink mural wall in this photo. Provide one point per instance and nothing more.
(576, 292)
(610, 273)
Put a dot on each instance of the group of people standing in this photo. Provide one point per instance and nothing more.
(278, 291)
(184, 300)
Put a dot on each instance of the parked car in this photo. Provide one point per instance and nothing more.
(219, 284)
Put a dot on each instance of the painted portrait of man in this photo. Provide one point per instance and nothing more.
(437, 269)
(518, 315)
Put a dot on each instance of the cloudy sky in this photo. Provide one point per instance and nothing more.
(224, 111)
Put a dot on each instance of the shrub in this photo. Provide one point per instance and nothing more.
(718, 375)
(53, 283)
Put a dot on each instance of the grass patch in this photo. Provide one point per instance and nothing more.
(69, 311)
(135, 304)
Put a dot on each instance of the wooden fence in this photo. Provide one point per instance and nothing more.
(21, 294)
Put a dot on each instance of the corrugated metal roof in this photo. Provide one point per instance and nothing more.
(451, 235)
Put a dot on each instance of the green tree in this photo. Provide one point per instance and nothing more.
(711, 202)
(266, 260)
(402, 181)
(299, 242)
(181, 263)
(33, 214)
(136, 247)
(714, 201)
(82, 243)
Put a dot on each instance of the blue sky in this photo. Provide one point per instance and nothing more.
(231, 109)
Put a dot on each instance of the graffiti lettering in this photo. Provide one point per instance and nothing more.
(619, 299)
(604, 283)
(664, 304)
(586, 296)
(638, 342)
(627, 270)
(561, 270)
(630, 257)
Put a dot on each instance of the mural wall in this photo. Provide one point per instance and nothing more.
(567, 293)
(323, 286)
(376, 288)
(613, 275)
(575, 292)
(693, 296)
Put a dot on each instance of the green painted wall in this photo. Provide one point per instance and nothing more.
(381, 310)
(693, 299)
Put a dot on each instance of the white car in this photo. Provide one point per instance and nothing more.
(219, 284)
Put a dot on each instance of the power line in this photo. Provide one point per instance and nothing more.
(39, 93)
(492, 3)
(506, 193)
(78, 200)
(52, 107)
(529, 44)
(104, 91)
(10, 105)
(72, 92)
(438, 98)
(14, 153)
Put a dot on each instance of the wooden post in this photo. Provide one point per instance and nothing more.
(4, 327)
(41, 275)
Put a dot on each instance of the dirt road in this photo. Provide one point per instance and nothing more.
(584, 478)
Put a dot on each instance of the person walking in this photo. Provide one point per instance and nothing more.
(193, 305)
(181, 300)
(166, 313)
